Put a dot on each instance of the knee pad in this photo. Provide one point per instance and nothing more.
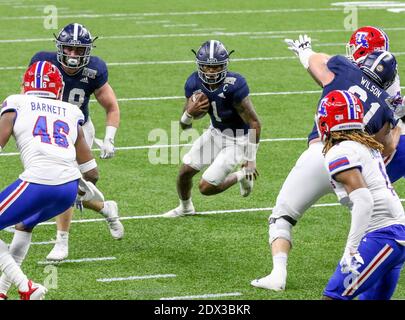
(280, 228)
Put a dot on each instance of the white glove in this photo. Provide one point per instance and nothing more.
(302, 48)
(107, 149)
(89, 192)
(107, 145)
(350, 263)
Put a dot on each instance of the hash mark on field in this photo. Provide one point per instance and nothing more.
(153, 276)
(208, 295)
(77, 260)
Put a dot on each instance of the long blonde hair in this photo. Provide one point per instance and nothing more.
(352, 135)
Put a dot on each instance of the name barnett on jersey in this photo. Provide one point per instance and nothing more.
(373, 89)
(45, 107)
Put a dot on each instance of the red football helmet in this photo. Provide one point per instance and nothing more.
(366, 40)
(43, 79)
(339, 110)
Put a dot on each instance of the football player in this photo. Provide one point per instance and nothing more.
(375, 249)
(84, 75)
(50, 138)
(233, 137)
(377, 73)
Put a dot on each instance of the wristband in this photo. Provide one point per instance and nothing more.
(186, 118)
(87, 166)
(110, 133)
(251, 151)
(304, 57)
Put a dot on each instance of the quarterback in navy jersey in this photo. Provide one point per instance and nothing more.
(233, 136)
(309, 180)
(83, 76)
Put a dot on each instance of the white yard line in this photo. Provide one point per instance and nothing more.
(161, 146)
(43, 242)
(186, 13)
(203, 296)
(153, 276)
(144, 63)
(207, 34)
(152, 216)
(78, 260)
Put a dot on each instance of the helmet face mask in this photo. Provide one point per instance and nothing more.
(212, 61)
(212, 73)
(74, 44)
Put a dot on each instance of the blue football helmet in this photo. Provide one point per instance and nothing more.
(212, 53)
(77, 36)
(381, 67)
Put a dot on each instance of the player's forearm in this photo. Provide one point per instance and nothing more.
(318, 69)
(254, 131)
(113, 117)
(363, 204)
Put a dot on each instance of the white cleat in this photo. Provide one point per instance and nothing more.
(179, 212)
(273, 281)
(113, 220)
(35, 291)
(246, 186)
(59, 252)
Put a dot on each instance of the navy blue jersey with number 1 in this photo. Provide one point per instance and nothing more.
(222, 101)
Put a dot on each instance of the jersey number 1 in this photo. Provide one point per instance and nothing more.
(60, 130)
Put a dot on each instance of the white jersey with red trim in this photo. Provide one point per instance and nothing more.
(45, 131)
(347, 155)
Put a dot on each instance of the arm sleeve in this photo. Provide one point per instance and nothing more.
(363, 204)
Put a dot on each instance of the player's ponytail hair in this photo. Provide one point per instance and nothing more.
(351, 135)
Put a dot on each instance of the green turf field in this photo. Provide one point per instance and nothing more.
(147, 47)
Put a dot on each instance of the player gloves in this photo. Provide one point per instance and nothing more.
(302, 48)
(351, 262)
(107, 148)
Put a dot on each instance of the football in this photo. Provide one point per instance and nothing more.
(203, 99)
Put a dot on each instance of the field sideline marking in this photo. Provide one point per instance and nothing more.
(77, 260)
(160, 146)
(153, 276)
(208, 295)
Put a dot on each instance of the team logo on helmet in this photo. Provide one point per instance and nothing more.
(361, 39)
